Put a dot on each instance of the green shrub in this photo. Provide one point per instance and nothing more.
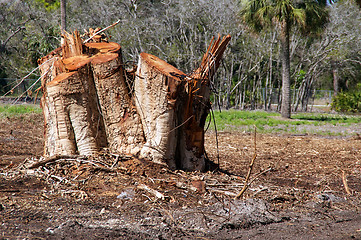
(347, 102)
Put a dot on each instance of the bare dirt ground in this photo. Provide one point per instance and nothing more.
(297, 190)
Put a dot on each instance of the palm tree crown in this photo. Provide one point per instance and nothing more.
(259, 14)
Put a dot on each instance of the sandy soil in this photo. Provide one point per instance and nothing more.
(297, 190)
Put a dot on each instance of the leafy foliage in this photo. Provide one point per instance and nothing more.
(50, 5)
(347, 102)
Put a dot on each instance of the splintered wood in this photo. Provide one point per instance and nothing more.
(88, 103)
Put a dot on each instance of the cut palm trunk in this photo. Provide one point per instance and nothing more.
(156, 88)
(194, 105)
(76, 116)
(122, 123)
(73, 122)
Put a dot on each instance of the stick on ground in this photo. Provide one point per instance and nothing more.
(52, 159)
(344, 180)
(245, 186)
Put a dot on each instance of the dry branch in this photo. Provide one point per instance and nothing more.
(259, 174)
(53, 159)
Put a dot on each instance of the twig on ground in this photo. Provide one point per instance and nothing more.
(152, 191)
(50, 175)
(261, 190)
(115, 162)
(93, 162)
(147, 197)
(246, 185)
(344, 180)
(227, 193)
(259, 174)
(52, 159)
(105, 169)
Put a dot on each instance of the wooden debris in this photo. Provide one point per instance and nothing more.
(152, 191)
(199, 185)
(100, 31)
(52, 159)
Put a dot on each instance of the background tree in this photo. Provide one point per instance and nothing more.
(63, 15)
(25, 35)
(283, 15)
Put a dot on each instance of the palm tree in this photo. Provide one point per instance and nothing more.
(283, 15)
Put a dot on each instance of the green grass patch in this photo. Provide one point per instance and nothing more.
(329, 118)
(270, 122)
(9, 110)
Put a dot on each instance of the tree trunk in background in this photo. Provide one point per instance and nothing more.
(336, 81)
(87, 104)
(63, 15)
(285, 55)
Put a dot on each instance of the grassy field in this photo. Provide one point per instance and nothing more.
(8, 110)
(246, 121)
(270, 122)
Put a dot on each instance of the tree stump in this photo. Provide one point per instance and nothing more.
(88, 104)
